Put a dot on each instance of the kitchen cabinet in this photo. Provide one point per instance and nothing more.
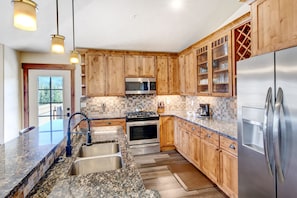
(228, 166)
(105, 75)
(167, 75)
(273, 25)
(203, 70)
(241, 38)
(115, 76)
(167, 133)
(95, 75)
(190, 70)
(194, 144)
(221, 70)
(177, 133)
(139, 66)
(182, 79)
(106, 122)
(210, 154)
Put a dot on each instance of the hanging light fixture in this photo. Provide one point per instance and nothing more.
(24, 16)
(74, 56)
(57, 40)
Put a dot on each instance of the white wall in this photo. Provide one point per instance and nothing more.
(10, 94)
(1, 95)
(50, 58)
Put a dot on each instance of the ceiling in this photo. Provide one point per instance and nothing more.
(142, 25)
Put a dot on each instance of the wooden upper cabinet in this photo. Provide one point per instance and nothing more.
(167, 75)
(182, 79)
(162, 75)
(115, 75)
(190, 74)
(173, 73)
(273, 25)
(139, 66)
(95, 74)
(147, 68)
(105, 75)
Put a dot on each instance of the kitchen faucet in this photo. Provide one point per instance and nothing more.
(88, 133)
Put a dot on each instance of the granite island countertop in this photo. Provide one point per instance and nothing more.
(21, 156)
(123, 182)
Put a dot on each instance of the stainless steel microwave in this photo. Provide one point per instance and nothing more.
(140, 85)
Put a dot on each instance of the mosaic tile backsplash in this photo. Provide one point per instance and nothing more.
(222, 108)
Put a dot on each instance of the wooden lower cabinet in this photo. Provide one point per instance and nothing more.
(228, 166)
(210, 160)
(167, 133)
(214, 155)
(229, 173)
(108, 122)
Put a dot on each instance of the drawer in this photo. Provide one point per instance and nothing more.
(193, 128)
(228, 145)
(109, 122)
(210, 136)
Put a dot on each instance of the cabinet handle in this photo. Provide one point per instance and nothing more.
(109, 123)
(193, 128)
(208, 135)
(232, 146)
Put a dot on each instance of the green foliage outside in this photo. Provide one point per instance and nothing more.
(50, 86)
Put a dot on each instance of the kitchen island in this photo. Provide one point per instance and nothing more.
(40, 154)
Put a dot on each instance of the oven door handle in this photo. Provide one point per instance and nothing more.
(142, 123)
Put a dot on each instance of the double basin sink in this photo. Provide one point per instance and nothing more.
(97, 157)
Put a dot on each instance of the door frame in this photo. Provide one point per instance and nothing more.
(27, 66)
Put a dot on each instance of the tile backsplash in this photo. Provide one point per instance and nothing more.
(222, 108)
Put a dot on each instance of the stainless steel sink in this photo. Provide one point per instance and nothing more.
(98, 149)
(84, 166)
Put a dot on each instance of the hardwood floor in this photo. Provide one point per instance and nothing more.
(157, 176)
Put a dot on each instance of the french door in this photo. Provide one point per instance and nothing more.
(49, 96)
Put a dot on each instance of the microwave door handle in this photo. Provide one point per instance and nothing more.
(277, 129)
(266, 128)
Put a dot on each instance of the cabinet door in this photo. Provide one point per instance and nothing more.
(167, 133)
(147, 68)
(95, 74)
(132, 64)
(182, 79)
(162, 75)
(190, 74)
(177, 134)
(210, 160)
(173, 75)
(195, 150)
(185, 142)
(222, 66)
(265, 26)
(115, 75)
(229, 173)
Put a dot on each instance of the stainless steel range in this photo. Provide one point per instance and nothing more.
(143, 132)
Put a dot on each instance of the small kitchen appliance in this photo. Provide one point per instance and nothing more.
(204, 110)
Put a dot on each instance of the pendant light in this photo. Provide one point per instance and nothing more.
(74, 56)
(24, 16)
(57, 40)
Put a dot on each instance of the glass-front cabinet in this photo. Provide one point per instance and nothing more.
(203, 71)
(221, 66)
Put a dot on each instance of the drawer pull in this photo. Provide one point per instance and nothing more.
(193, 128)
(109, 123)
(208, 135)
(232, 146)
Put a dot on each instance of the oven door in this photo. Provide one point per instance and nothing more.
(143, 132)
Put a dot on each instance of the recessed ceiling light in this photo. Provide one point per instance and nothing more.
(176, 4)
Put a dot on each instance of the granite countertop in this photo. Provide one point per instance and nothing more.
(21, 155)
(226, 128)
(123, 182)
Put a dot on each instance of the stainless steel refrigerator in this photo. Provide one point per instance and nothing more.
(267, 125)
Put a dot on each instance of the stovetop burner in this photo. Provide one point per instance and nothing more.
(142, 116)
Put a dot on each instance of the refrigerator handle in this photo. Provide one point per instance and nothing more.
(276, 133)
(267, 107)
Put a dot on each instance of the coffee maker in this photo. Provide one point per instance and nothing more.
(204, 110)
